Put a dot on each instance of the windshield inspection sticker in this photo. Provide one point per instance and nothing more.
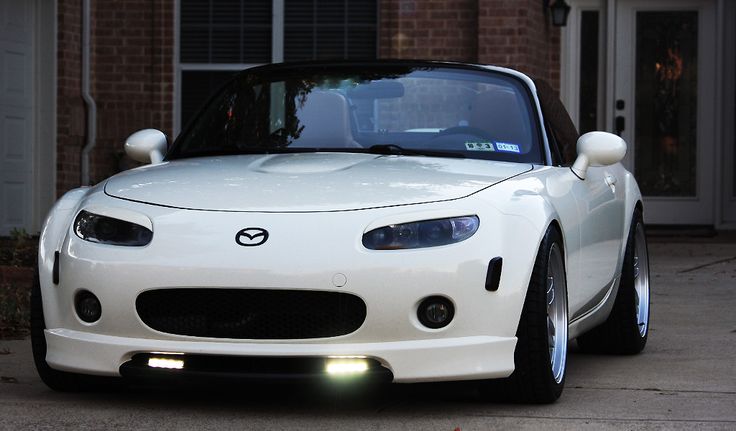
(507, 148)
(479, 146)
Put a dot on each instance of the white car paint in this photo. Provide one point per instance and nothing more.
(316, 222)
(307, 182)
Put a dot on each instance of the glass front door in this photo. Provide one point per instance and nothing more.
(664, 92)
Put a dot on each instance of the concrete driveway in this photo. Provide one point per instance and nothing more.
(685, 379)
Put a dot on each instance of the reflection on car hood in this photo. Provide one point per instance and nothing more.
(307, 182)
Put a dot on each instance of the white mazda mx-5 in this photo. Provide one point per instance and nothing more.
(395, 221)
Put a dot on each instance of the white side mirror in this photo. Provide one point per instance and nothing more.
(146, 146)
(598, 149)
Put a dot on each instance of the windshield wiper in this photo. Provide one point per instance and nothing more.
(393, 149)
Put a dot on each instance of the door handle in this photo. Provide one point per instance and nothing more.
(610, 182)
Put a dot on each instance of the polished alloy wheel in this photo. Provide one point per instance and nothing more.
(556, 313)
(641, 280)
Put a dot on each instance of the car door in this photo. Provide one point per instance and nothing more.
(600, 203)
(593, 258)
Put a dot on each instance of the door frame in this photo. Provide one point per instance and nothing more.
(44, 112)
(570, 60)
(727, 115)
(722, 215)
(690, 210)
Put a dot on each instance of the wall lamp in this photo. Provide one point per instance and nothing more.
(559, 9)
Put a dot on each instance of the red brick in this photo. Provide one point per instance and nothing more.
(132, 57)
(132, 73)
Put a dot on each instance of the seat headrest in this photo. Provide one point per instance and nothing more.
(325, 117)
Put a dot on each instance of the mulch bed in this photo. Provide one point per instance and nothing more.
(17, 266)
(20, 250)
(15, 301)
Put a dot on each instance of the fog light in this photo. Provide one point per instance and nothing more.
(435, 312)
(87, 306)
(168, 363)
(346, 366)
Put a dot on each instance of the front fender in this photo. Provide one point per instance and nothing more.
(55, 229)
(526, 216)
(528, 197)
(633, 197)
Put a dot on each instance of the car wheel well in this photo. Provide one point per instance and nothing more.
(639, 206)
(554, 224)
(536, 377)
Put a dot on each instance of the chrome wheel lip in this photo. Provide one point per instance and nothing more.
(641, 279)
(557, 322)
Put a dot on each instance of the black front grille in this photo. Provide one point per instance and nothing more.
(251, 313)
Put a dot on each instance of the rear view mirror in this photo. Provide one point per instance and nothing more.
(598, 149)
(146, 146)
(377, 90)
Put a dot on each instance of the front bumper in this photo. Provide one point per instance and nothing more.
(320, 251)
(465, 358)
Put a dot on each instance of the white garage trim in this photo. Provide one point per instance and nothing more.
(44, 145)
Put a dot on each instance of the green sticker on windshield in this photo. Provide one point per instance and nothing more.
(479, 146)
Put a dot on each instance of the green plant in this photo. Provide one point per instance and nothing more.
(19, 235)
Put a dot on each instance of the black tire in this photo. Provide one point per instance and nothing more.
(533, 380)
(620, 334)
(57, 380)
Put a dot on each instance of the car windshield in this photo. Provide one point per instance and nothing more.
(384, 109)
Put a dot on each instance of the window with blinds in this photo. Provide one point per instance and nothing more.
(330, 29)
(217, 38)
(225, 31)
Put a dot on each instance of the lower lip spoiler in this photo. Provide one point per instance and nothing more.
(232, 369)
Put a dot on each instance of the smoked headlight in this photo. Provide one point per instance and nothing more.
(107, 230)
(427, 233)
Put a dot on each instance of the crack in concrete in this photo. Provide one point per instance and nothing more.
(683, 391)
(586, 418)
(705, 265)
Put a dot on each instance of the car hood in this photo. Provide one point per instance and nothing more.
(307, 182)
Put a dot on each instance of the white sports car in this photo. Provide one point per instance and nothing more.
(394, 221)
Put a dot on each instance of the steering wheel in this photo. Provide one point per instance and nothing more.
(467, 130)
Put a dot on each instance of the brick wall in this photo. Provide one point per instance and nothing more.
(133, 51)
(511, 33)
(132, 47)
(518, 34)
(69, 106)
(429, 29)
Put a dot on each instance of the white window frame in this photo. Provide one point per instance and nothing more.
(277, 56)
(570, 59)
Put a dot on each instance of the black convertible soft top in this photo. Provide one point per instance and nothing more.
(559, 121)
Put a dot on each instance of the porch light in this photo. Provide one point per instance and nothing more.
(560, 9)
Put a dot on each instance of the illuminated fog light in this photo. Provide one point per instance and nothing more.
(168, 363)
(346, 366)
